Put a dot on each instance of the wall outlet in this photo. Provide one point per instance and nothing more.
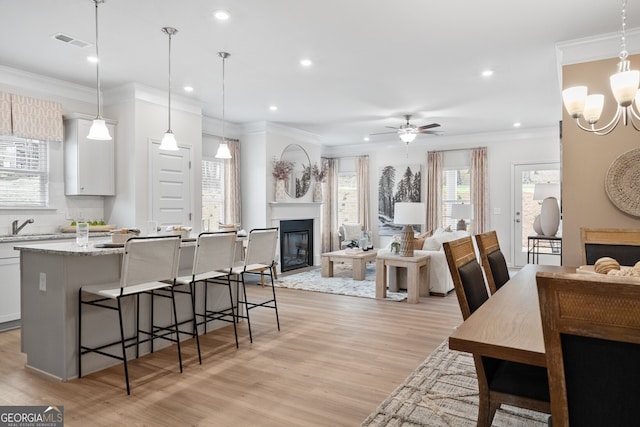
(43, 282)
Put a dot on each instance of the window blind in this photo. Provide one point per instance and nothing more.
(24, 173)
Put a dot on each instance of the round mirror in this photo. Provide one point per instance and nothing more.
(300, 178)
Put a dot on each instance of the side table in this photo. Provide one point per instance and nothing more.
(417, 275)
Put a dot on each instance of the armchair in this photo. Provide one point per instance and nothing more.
(348, 233)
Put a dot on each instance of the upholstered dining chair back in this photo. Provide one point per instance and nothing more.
(466, 273)
(591, 327)
(493, 262)
(150, 259)
(214, 252)
(623, 245)
(261, 247)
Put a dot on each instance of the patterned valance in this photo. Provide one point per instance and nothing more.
(5, 113)
(36, 118)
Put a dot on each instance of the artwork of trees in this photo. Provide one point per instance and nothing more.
(393, 188)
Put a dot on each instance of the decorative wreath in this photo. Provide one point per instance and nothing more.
(622, 182)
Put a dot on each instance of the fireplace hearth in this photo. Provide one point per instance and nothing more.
(296, 244)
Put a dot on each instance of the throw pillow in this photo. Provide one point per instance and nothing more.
(418, 241)
(431, 244)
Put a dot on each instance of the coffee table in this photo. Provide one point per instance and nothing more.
(358, 260)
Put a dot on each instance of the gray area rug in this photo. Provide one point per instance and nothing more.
(341, 283)
(443, 391)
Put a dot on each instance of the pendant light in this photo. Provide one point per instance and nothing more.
(169, 142)
(223, 149)
(98, 130)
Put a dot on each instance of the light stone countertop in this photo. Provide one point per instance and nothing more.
(71, 248)
(19, 238)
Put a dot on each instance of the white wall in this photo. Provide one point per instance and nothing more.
(503, 151)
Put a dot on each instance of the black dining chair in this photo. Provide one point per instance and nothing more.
(591, 327)
(499, 381)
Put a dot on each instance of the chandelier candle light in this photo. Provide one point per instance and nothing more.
(624, 85)
(169, 142)
(408, 213)
(98, 130)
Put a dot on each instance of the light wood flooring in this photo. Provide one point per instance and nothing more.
(334, 360)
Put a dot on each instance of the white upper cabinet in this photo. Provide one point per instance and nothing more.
(89, 165)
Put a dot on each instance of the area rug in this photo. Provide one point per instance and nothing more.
(443, 391)
(341, 283)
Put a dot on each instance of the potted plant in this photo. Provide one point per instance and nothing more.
(281, 171)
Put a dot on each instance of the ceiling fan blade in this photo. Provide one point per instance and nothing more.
(382, 133)
(429, 126)
(430, 132)
(392, 127)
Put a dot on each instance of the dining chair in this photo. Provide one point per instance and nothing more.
(492, 259)
(591, 327)
(214, 252)
(499, 381)
(259, 259)
(149, 264)
(623, 245)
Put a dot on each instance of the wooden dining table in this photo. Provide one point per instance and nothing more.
(508, 325)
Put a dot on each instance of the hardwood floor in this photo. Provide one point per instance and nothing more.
(335, 359)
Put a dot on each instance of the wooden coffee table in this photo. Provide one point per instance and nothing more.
(357, 259)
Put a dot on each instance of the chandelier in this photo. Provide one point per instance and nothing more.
(624, 85)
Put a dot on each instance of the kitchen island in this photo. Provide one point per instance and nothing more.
(51, 275)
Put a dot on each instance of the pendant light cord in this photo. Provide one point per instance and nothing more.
(169, 110)
(98, 63)
(223, 55)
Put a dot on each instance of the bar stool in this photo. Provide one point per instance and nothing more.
(148, 264)
(214, 253)
(259, 259)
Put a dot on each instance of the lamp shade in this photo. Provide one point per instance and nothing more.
(99, 131)
(542, 191)
(169, 142)
(223, 151)
(409, 213)
(461, 211)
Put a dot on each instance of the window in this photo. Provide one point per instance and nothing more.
(455, 189)
(24, 173)
(213, 191)
(347, 198)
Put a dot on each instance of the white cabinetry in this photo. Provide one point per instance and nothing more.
(10, 291)
(89, 165)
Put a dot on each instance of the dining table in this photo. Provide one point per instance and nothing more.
(508, 325)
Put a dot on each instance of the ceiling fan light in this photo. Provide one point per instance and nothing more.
(99, 131)
(407, 137)
(223, 151)
(169, 142)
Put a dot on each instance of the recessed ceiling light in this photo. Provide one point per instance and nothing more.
(487, 73)
(93, 59)
(221, 15)
(188, 89)
(366, 138)
(517, 124)
(273, 107)
(306, 62)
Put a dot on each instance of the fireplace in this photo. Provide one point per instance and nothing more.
(296, 244)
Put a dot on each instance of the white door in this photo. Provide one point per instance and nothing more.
(170, 186)
(525, 209)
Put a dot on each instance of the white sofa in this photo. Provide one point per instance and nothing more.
(440, 281)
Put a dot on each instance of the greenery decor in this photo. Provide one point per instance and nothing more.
(320, 174)
(282, 169)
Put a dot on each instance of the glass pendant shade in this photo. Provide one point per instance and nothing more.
(593, 108)
(223, 151)
(99, 131)
(624, 86)
(169, 142)
(574, 99)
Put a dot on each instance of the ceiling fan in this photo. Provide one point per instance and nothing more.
(407, 132)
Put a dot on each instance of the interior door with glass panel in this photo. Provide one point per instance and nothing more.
(170, 186)
(525, 209)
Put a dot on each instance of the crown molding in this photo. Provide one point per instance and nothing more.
(37, 83)
(595, 48)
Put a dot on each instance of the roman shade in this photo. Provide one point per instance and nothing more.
(30, 118)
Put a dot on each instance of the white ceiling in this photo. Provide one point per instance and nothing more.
(374, 60)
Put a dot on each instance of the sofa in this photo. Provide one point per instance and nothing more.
(440, 281)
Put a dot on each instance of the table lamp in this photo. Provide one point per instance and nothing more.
(462, 212)
(408, 213)
(550, 211)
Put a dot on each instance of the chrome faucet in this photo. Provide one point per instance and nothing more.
(14, 226)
